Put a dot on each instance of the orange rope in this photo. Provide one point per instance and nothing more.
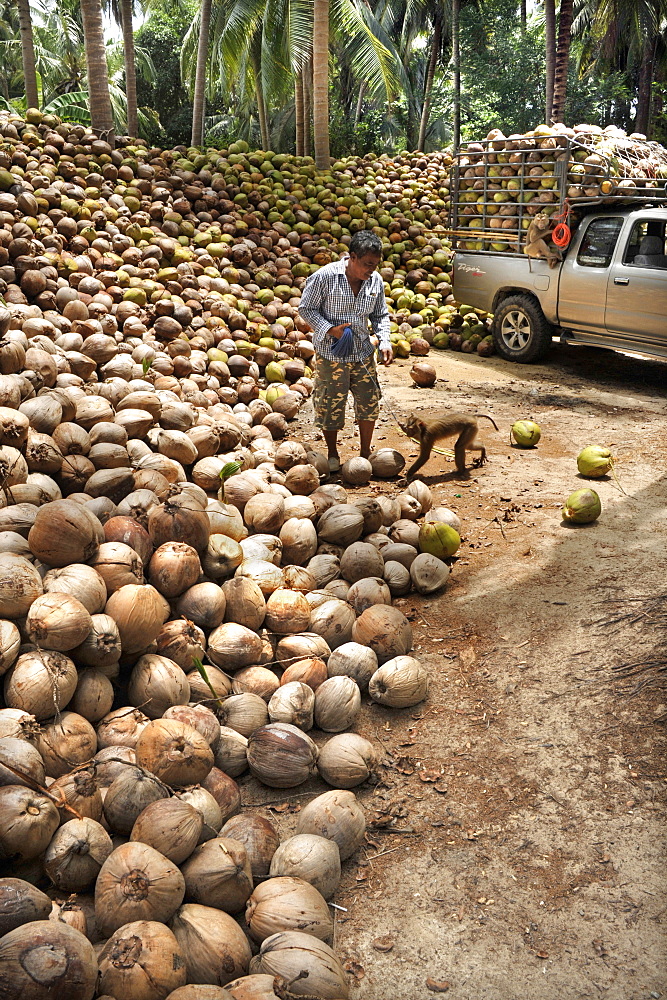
(562, 234)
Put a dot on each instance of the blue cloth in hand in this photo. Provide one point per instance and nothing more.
(344, 346)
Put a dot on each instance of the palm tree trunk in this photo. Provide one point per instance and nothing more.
(321, 82)
(130, 68)
(562, 60)
(298, 111)
(456, 60)
(524, 16)
(428, 85)
(307, 81)
(360, 101)
(261, 103)
(199, 101)
(550, 53)
(644, 89)
(96, 61)
(28, 55)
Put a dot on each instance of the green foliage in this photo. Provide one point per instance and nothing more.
(161, 37)
(366, 136)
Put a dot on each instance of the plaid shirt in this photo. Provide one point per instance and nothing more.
(328, 300)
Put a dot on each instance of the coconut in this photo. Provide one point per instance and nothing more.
(281, 756)
(215, 947)
(176, 753)
(342, 524)
(142, 960)
(445, 515)
(400, 682)
(346, 760)
(356, 471)
(386, 463)
(314, 859)
(47, 958)
(439, 539)
(337, 704)
(428, 573)
(336, 815)
(526, 433)
(136, 882)
(305, 962)
(361, 560)
(285, 903)
(259, 838)
(385, 629)
(595, 462)
(218, 874)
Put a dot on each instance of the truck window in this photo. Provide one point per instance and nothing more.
(646, 246)
(597, 246)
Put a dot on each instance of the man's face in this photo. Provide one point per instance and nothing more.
(361, 268)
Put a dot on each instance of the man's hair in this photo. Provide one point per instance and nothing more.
(365, 242)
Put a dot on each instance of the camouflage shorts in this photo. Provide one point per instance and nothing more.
(333, 381)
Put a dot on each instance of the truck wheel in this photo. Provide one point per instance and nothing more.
(520, 329)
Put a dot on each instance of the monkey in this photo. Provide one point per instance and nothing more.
(536, 236)
(431, 429)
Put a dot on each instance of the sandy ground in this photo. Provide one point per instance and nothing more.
(516, 842)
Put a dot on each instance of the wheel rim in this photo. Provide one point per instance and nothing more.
(515, 330)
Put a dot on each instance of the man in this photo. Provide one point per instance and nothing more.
(348, 293)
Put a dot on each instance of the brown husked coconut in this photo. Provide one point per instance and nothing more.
(259, 838)
(281, 756)
(218, 874)
(215, 947)
(290, 954)
(136, 882)
(314, 859)
(47, 959)
(385, 629)
(356, 471)
(285, 903)
(336, 815)
(175, 753)
(142, 960)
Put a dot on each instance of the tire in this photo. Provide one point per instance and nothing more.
(521, 331)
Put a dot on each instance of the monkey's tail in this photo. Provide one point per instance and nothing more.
(488, 418)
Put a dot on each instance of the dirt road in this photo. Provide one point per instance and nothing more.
(517, 831)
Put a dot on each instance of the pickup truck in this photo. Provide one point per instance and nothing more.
(609, 291)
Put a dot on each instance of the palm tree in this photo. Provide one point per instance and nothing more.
(321, 82)
(456, 67)
(435, 53)
(98, 80)
(627, 36)
(562, 61)
(550, 53)
(122, 11)
(28, 54)
(200, 75)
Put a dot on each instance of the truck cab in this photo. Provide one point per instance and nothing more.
(609, 291)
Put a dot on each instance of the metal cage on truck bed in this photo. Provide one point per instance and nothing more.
(498, 185)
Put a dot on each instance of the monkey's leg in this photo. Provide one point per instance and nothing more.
(482, 458)
(424, 455)
(464, 443)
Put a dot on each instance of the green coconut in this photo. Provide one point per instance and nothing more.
(582, 507)
(526, 433)
(594, 462)
(438, 539)
(274, 372)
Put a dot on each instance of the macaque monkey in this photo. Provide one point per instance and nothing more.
(428, 430)
(536, 240)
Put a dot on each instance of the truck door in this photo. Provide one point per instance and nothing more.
(637, 290)
(582, 290)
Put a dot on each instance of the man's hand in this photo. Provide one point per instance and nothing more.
(386, 355)
(337, 331)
